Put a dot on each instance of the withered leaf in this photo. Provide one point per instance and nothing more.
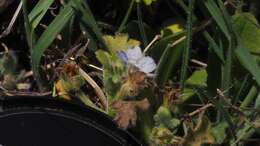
(134, 83)
(199, 135)
(127, 111)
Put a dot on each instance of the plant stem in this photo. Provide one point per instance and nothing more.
(122, 25)
(141, 25)
(186, 52)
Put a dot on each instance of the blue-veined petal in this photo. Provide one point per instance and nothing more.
(123, 56)
(134, 54)
(146, 64)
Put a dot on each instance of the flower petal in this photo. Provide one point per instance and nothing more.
(122, 55)
(134, 54)
(146, 64)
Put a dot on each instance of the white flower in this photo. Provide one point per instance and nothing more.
(135, 57)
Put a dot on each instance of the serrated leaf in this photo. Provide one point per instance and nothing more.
(103, 57)
(119, 42)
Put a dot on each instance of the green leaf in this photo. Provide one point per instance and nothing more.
(103, 57)
(163, 115)
(48, 36)
(173, 28)
(219, 132)
(198, 78)
(147, 2)
(248, 29)
(248, 62)
(113, 70)
(257, 101)
(39, 11)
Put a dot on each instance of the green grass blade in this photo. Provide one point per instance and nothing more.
(88, 21)
(66, 34)
(229, 53)
(47, 38)
(217, 16)
(122, 25)
(27, 24)
(141, 25)
(186, 52)
(214, 46)
(241, 89)
(228, 19)
(221, 17)
(249, 98)
(92, 44)
(214, 72)
(156, 51)
(220, 107)
(39, 11)
(167, 63)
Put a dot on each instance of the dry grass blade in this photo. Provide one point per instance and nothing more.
(97, 89)
(157, 37)
(10, 26)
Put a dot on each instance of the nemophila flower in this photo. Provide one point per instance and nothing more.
(134, 56)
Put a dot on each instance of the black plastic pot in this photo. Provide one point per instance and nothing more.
(34, 121)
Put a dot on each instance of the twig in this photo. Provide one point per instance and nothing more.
(19, 93)
(222, 96)
(178, 41)
(157, 37)
(66, 56)
(199, 110)
(10, 26)
(5, 47)
(81, 51)
(98, 90)
(199, 62)
(196, 29)
(95, 67)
